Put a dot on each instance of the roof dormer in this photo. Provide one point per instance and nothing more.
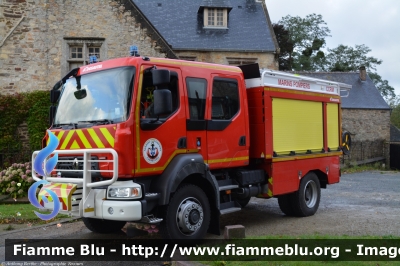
(215, 13)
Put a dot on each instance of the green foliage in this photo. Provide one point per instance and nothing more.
(38, 117)
(301, 41)
(285, 59)
(16, 180)
(13, 113)
(33, 108)
(348, 59)
(306, 37)
(383, 86)
(395, 116)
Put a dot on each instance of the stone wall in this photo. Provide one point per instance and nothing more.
(264, 60)
(370, 132)
(33, 54)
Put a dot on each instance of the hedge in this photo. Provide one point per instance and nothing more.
(32, 108)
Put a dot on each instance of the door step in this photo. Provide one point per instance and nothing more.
(227, 184)
(228, 207)
(229, 210)
(150, 219)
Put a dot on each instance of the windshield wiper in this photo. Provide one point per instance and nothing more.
(98, 122)
(74, 125)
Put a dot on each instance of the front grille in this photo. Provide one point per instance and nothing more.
(75, 163)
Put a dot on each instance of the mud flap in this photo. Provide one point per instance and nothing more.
(214, 227)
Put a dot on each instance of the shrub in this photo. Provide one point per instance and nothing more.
(16, 180)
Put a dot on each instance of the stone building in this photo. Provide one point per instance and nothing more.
(365, 114)
(41, 40)
(230, 32)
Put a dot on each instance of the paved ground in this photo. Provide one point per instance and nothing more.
(365, 203)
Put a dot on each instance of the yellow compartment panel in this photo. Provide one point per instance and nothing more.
(333, 125)
(297, 126)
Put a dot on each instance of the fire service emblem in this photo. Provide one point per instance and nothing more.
(152, 151)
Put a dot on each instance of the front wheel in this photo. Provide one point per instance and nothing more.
(305, 201)
(188, 214)
(103, 226)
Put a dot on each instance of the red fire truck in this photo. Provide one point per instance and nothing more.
(179, 143)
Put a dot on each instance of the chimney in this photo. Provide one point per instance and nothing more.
(363, 73)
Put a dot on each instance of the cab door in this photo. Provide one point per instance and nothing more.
(196, 123)
(158, 139)
(227, 129)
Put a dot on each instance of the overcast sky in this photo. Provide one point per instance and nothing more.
(375, 23)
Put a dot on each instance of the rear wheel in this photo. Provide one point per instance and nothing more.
(187, 215)
(103, 226)
(305, 201)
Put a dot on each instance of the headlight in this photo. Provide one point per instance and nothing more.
(124, 192)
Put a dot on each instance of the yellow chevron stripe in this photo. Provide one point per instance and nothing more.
(108, 136)
(83, 139)
(59, 136)
(75, 145)
(63, 190)
(95, 138)
(67, 139)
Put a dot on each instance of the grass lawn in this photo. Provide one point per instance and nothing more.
(23, 213)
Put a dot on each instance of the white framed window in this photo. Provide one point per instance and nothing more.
(215, 18)
(78, 51)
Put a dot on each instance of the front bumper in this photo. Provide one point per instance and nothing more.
(85, 197)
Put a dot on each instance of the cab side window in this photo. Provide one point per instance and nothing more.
(146, 101)
(196, 90)
(225, 99)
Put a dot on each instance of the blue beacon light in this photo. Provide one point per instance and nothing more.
(92, 59)
(133, 50)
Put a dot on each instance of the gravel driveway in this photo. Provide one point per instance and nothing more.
(366, 203)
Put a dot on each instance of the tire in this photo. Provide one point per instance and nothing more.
(285, 204)
(103, 226)
(305, 201)
(187, 216)
(243, 202)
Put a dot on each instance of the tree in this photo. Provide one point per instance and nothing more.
(395, 116)
(285, 59)
(348, 59)
(307, 37)
(301, 41)
(383, 86)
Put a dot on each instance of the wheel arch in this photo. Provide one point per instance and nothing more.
(185, 168)
(322, 177)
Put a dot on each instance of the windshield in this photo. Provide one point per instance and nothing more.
(107, 97)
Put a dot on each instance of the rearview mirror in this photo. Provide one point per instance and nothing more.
(162, 102)
(160, 76)
(80, 94)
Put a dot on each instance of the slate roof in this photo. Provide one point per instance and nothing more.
(363, 94)
(180, 23)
